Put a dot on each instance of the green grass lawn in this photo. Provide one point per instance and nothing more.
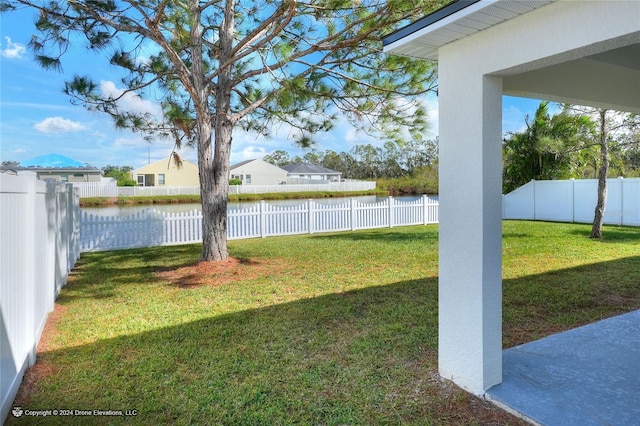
(327, 329)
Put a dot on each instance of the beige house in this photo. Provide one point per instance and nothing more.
(258, 172)
(166, 173)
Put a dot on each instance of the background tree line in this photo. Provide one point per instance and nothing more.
(392, 160)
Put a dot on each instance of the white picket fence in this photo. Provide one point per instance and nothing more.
(39, 244)
(574, 201)
(154, 228)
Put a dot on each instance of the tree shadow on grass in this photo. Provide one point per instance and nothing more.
(402, 235)
(614, 234)
(367, 356)
(358, 357)
(98, 279)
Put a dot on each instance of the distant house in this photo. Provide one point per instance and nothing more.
(258, 172)
(167, 173)
(311, 172)
(57, 167)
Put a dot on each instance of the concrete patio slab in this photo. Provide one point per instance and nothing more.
(586, 376)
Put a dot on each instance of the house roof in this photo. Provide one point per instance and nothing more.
(306, 168)
(457, 20)
(240, 164)
(53, 161)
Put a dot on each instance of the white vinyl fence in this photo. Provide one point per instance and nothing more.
(96, 189)
(109, 189)
(154, 228)
(39, 244)
(331, 186)
(149, 191)
(574, 201)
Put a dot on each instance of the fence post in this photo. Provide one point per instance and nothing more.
(311, 217)
(533, 184)
(262, 219)
(425, 209)
(352, 209)
(30, 265)
(69, 206)
(390, 203)
(621, 186)
(573, 200)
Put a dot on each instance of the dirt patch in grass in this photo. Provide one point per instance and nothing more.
(218, 273)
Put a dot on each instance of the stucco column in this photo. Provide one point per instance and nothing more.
(470, 285)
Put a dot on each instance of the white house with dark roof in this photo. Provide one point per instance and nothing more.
(258, 172)
(306, 171)
(579, 52)
(56, 167)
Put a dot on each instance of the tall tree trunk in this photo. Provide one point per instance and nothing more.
(596, 229)
(213, 164)
(214, 212)
(215, 184)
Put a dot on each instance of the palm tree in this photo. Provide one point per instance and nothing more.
(547, 149)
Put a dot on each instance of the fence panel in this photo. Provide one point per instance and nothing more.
(575, 201)
(182, 228)
(332, 217)
(520, 204)
(153, 228)
(97, 189)
(371, 215)
(245, 223)
(631, 202)
(39, 245)
(286, 220)
(554, 201)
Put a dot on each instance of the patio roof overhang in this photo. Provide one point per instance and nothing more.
(459, 19)
(577, 80)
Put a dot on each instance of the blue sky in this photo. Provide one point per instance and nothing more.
(36, 118)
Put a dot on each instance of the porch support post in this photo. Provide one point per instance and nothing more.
(470, 263)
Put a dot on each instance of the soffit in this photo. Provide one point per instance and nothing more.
(423, 38)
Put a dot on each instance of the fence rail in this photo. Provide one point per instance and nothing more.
(40, 243)
(154, 228)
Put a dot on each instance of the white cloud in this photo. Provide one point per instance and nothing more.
(137, 142)
(99, 135)
(13, 50)
(251, 152)
(130, 101)
(58, 125)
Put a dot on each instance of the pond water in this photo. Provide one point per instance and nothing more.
(178, 208)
